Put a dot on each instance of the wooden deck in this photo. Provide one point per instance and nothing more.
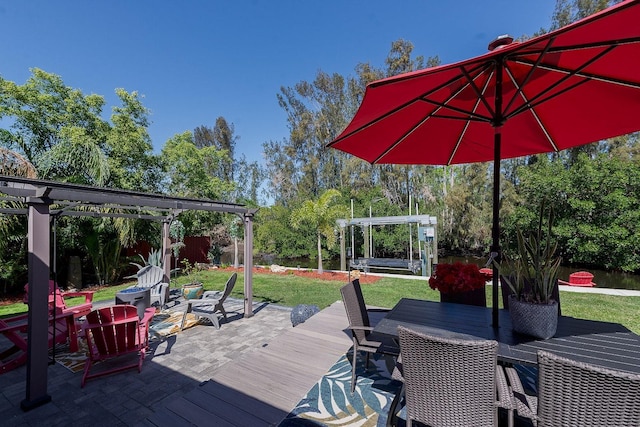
(261, 388)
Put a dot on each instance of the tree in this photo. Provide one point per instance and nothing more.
(320, 216)
(129, 150)
(56, 128)
(249, 179)
(221, 137)
(194, 172)
(236, 231)
(317, 112)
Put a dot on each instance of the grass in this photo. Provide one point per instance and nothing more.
(290, 290)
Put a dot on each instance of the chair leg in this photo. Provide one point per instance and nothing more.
(184, 317)
(392, 418)
(353, 370)
(214, 319)
(223, 311)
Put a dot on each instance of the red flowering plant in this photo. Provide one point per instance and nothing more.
(456, 278)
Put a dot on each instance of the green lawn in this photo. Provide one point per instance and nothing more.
(290, 290)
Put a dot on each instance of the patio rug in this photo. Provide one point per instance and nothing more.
(72, 361)
(167, 323)
(330, 402)
(162, 325)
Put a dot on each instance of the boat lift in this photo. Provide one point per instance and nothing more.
(427, 235)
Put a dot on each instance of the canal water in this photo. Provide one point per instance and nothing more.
(603, 279)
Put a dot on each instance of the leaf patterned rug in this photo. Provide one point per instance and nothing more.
(168, 323)
(330, 402)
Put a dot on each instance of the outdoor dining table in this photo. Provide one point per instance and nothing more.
(605, 344)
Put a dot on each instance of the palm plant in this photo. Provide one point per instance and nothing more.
(321, 215)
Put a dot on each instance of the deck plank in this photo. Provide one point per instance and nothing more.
(263, 386)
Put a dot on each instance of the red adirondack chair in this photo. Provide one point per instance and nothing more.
(14, 329)
(115, 331)
(57, 302)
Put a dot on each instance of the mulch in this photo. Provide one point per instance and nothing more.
(313, 274)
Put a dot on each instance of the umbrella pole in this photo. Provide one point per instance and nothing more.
(495, 231)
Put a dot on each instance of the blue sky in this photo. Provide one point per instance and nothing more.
(194, 61)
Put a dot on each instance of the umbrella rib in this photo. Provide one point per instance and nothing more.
(590, 76)
(471, 113)
(466, 126)
(538, 99)
(535, 116)
(535, 65)
(542, 96)
(472, 116)
(479, 94)
(561, 49)
(420, 97)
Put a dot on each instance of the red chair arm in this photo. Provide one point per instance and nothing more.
(88, 295)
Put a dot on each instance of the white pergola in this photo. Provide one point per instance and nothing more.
(47, 199)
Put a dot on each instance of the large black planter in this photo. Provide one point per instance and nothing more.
(536, 320)
(474, 297)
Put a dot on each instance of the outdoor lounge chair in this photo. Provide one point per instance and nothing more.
(151, 276)
(57, 300)
(14, 329)
(58, 308)
(361, 331)
(452, 382)
(211, 304)
(112, 332)
(572, 393)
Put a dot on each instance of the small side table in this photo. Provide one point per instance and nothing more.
(140, 297)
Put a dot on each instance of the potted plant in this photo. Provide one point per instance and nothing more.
(460, 283)
(193, 289)
(532, 278)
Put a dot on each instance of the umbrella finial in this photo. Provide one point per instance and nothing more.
(500, 41)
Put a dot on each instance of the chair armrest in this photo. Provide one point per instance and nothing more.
(212, 295)
(10, 325)
(525, 405)
(197, 302)
(148, 315)
(360, 328)
(505, 397)
(88, 295)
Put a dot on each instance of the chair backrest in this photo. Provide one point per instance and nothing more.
(150, 275)
(228, 287)
(114, 330)
(356, 309)
(448, 382)
(580, 394)
(56, 297)
(52, 286)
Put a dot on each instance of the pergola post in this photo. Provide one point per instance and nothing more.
(343, 258)
(166, 250)
(248, 262)
(38, 316)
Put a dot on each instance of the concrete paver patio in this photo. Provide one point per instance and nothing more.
(173, 367)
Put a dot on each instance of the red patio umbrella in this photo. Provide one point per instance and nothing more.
(569, 87)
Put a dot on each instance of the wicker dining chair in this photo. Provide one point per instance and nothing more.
(361, 331)
(452, 382)
(572, 393)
